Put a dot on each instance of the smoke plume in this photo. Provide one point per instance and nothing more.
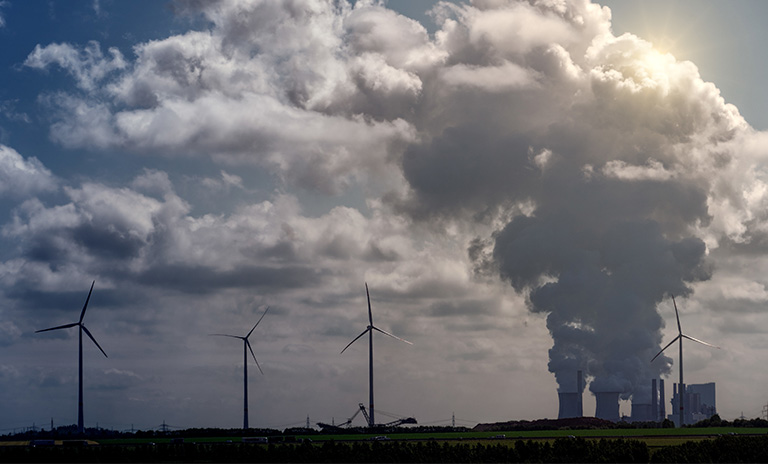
(592, 157)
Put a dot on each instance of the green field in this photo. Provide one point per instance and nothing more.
(724, 444)
(605, 433)
(662, 436)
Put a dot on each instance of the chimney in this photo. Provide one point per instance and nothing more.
(654, 402)
(662, 405)
(607, 406)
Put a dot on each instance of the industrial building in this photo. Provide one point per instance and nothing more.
(699, 402)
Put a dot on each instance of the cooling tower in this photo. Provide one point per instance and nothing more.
(642, 412)
(580, 389)
(569, 405)
(607, 406)
(570, 401)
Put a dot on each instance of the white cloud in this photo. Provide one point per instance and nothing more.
(88, 66)
(2, 17)
(494, 79)
(653, 170)
(20, 177)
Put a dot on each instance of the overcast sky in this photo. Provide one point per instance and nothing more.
(522, 184)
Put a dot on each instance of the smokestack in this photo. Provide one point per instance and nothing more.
(662, 405)
(570, 402)
(607, 406)
(654, 402)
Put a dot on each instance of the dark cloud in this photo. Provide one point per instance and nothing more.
(195, 279)
(474, 308)
(466, 168)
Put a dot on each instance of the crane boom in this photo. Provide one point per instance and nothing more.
(365, 413)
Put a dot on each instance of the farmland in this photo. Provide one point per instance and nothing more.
(722, 444)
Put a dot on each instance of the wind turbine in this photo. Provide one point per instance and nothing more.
(680, 337)
(246, 347)
(81, 329)
(369, 330)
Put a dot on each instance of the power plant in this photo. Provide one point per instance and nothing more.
(681, 405)
(699, 402)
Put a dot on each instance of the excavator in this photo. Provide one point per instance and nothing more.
(343, 425)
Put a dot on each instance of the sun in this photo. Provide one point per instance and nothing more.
(671, 27)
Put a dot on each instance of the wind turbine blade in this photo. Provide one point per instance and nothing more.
(82, 313)
(257, 322)
(699, 341)
(677, 315)
(668, 345)
(370, 313)
(65, 326)
(226, 335)
(87, 332)
(393, 336)
(248, 344)
(356, 338)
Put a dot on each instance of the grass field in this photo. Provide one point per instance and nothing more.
(652, 437)
(606, 433)
(614, 445)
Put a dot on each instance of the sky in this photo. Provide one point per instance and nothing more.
(521, 184)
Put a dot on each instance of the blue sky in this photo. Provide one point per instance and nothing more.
(521, 185)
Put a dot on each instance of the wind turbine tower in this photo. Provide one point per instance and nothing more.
(246, 347)
(680, 337)
(81, 329)
(369, 330)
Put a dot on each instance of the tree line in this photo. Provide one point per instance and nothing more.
(722, 449)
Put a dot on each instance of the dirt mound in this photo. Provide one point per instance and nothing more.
(547, 424)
